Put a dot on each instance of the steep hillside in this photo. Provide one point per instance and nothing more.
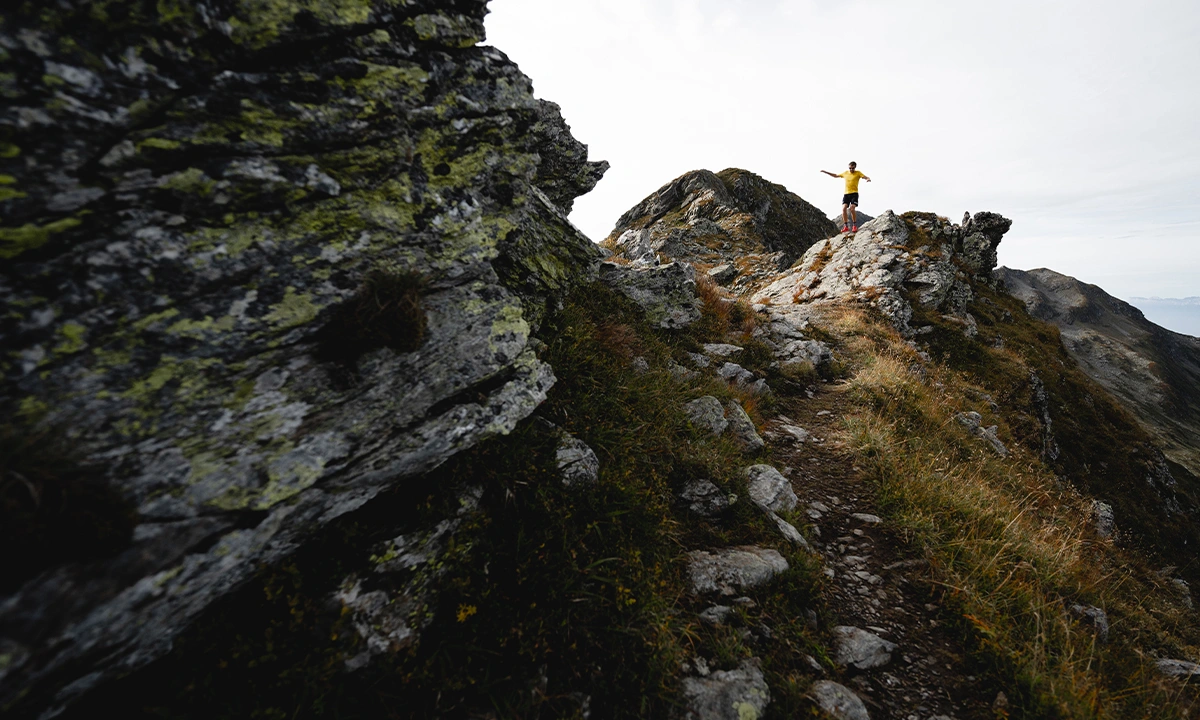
(1153, 371)
(317, 406)
(733, 224)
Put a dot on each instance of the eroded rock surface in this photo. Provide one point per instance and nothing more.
(729, 570)
(892, 259)
(733, 221)
(201, 196)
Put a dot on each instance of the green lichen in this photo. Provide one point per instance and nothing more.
(157, 143)
(72, 338)
(201, 328)
(258, 23)
(293, 310)
(16, 240)
(192, 181)
(8, 150)
(31, 408)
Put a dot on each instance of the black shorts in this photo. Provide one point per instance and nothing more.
(850, 199)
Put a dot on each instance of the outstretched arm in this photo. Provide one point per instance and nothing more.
(830, 174)
(866, 178)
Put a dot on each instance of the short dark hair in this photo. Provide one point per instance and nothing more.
(854, 163)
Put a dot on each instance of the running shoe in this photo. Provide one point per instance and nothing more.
(845, 228)
(854, 228)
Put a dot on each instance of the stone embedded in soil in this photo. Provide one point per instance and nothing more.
(769, 489)
(729, 570)
(717, 614)
(838, 700)
(1098, 617)
(740, 694)
(706, 412)
(577, 462)
(789, 531)
(867, 518)
(742, 428)
(1177, 668)
(706, 499)
(721, 350)
(855, 647)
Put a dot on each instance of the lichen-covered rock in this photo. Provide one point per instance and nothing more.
(739, 694)
(730, 570)
(667, 293)
(202, 203)
(706, 412)
(838, 700)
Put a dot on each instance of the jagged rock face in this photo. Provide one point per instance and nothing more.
(892, 259)
(193, 197)
(732, 217)
(1153, 371)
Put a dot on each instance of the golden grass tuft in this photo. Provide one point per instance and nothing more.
(1010, 545)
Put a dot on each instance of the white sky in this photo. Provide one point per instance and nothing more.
(1080, 120)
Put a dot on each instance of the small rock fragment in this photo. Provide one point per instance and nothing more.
(742, 428)
(706, 499)
(866, 518)
(855, 647)
(838, 701)
(1103, 518)
(1177, 668)
(769, 489)
(578, 463)
(1098, 617)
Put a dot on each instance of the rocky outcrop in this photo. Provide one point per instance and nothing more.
(1153, 371)
(894, 261)
(732, 218)
(259, 267)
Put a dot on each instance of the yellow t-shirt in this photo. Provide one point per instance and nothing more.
(852, 177)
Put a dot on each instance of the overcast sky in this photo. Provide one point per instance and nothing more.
(1078, 120)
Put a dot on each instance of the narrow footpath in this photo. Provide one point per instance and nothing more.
(890, 633)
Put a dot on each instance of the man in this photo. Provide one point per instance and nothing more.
(850, 199)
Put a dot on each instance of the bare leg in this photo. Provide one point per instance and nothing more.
(853, 214)
(844, 220)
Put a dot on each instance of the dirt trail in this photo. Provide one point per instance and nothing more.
(878, 583)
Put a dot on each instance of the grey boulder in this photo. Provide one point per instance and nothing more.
(858, 648)
(769, 489)
(729, 570)
(740, 694)
(838, 701)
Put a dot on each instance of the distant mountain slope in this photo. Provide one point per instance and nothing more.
(1154, 371)
(1181, 315)
(731, 217)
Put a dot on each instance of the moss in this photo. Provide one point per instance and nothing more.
(8, 150)
(17, 240)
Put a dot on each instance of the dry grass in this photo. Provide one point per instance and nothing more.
(1010, 545)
